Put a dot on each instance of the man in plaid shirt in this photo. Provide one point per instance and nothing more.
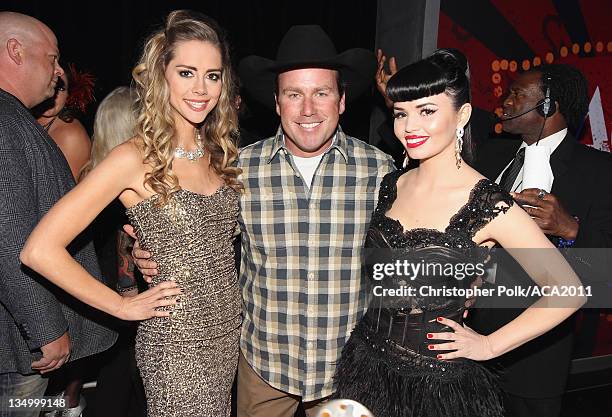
(309, 194)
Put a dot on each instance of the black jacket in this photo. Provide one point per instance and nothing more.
(582, 184)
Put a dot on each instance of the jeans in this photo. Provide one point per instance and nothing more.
(15, 385)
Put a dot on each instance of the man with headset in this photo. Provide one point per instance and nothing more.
(546, 107)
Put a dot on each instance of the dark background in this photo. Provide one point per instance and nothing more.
(106, 37)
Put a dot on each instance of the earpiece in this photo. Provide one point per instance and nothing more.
(548, 107)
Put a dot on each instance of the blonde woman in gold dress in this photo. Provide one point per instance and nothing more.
(176, 178)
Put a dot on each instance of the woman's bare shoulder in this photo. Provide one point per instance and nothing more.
(71, 136)
(129, 152)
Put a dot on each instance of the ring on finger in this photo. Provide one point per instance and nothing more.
(541, 194)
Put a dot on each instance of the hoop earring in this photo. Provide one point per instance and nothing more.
(459, 146)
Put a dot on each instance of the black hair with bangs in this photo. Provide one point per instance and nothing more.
(445, 71)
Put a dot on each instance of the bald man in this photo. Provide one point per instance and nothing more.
(40, 328)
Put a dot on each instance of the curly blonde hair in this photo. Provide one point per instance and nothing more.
(155, 122)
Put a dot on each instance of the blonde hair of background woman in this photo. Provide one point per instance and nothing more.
(155, 123)
(115, 123)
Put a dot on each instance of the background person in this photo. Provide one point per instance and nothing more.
(40, 328)
(57, 115)
(546, 106)
(119, 391)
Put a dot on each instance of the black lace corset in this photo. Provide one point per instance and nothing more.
(406, 320)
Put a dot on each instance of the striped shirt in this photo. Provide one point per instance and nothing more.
(301, 270)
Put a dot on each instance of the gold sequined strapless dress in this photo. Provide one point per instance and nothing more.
(188, 360)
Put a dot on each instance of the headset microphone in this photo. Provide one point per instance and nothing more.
(545, 102)
(545, 107)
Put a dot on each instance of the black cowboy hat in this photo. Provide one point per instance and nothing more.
(307, 46)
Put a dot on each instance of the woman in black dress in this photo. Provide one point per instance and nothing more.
(411, 356)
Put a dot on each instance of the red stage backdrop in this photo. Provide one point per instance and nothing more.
(501, 37)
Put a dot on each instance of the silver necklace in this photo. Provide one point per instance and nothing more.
(191, 156)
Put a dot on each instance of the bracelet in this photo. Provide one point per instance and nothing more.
(127, 289)
(567, 243)
(562, 243)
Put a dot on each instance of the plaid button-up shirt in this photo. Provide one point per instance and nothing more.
(301, 271)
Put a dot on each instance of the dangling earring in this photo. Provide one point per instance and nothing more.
(459, 146)
(406, 159)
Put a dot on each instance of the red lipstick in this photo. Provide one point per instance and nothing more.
(414, 141)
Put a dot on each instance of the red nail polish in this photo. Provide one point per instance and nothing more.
(430, 347)
(439, 319)
(429, 336)
(439, 356)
